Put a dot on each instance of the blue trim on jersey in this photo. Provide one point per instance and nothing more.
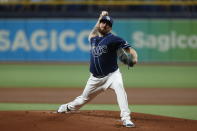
(95, 65)
(100, 67)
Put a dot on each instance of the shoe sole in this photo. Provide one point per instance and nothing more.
(129, 126)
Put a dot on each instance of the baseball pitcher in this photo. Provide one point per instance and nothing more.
(106, 48)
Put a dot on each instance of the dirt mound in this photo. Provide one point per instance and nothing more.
(88, 120)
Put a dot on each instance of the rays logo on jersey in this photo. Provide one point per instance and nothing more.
(99, 50)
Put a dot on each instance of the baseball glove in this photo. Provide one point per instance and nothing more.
(125, 57)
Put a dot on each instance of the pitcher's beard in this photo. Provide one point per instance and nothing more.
(102, 32)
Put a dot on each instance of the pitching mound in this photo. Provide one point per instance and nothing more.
(88, 121)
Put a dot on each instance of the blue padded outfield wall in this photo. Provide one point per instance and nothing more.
(67, 40)
(44, 40)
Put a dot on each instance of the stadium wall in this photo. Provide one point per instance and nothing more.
(65, 40)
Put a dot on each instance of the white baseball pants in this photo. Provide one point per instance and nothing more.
(95, 86)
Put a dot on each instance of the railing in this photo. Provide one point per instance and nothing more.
(91, 8)
(100, 2)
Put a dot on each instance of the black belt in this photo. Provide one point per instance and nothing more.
(98, 76)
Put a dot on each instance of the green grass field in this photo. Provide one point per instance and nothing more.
(76, 76)
(187, 112)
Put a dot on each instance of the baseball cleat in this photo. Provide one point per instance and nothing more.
(63, 109)
(128, 123)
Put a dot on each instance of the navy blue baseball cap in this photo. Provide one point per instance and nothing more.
(108, 20)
